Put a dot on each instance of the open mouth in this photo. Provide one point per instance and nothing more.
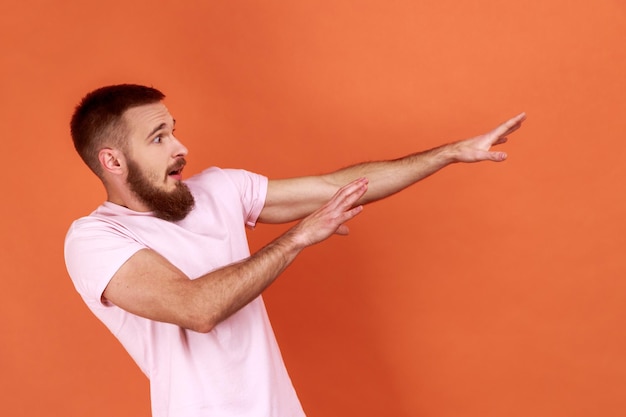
(176, 171)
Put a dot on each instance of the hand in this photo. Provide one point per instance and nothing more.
(330, 218)
(477, 148)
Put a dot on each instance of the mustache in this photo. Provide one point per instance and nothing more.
(178, 165)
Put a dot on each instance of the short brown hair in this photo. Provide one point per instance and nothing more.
(97, 120)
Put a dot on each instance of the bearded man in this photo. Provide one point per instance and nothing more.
(165, 265)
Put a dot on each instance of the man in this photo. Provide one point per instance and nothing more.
(165, 264)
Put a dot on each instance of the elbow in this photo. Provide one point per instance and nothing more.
(198, 322)
(194, 313)
(201, 327)
(198, 326)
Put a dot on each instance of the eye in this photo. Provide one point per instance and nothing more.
(157, 139)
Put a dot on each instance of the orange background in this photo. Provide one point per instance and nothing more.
(486, 290)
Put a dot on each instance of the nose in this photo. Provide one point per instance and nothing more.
(179, 148)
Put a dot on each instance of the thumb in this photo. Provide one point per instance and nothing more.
(497, 156)
(342, 230)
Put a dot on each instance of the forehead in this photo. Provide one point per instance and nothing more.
(142, 120)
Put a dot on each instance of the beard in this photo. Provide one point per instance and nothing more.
(172, 205)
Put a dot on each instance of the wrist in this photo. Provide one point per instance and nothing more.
(292, 242)
(447, 154)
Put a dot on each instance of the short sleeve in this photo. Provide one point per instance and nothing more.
(94, 250)
(251, 189)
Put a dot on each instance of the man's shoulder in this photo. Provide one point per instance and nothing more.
(224, 180)
(217, 175)
(108, 219)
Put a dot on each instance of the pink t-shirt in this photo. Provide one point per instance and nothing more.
(234, 370)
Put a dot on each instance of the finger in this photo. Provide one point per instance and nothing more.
(352, 186)
(512, 129)
(497, 156)
(349, 194)
(346, 215)
(356, 185)
(342, 229)
(500, 141)
(510, 125)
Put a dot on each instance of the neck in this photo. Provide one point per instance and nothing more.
(126, 198)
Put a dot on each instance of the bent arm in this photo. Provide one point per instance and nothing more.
(293, 198)
(150, 286)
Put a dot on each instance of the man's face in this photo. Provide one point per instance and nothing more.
(155, 160)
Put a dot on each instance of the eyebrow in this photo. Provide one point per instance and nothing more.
(160, 127)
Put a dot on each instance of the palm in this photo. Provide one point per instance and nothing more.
(478, 148)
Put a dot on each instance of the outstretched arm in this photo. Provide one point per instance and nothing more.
(293, 198)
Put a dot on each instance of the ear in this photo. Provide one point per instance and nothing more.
(112, 161)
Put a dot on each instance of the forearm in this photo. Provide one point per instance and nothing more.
(389, 177)
(294, 198)
(148, 285)
(219, 294)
